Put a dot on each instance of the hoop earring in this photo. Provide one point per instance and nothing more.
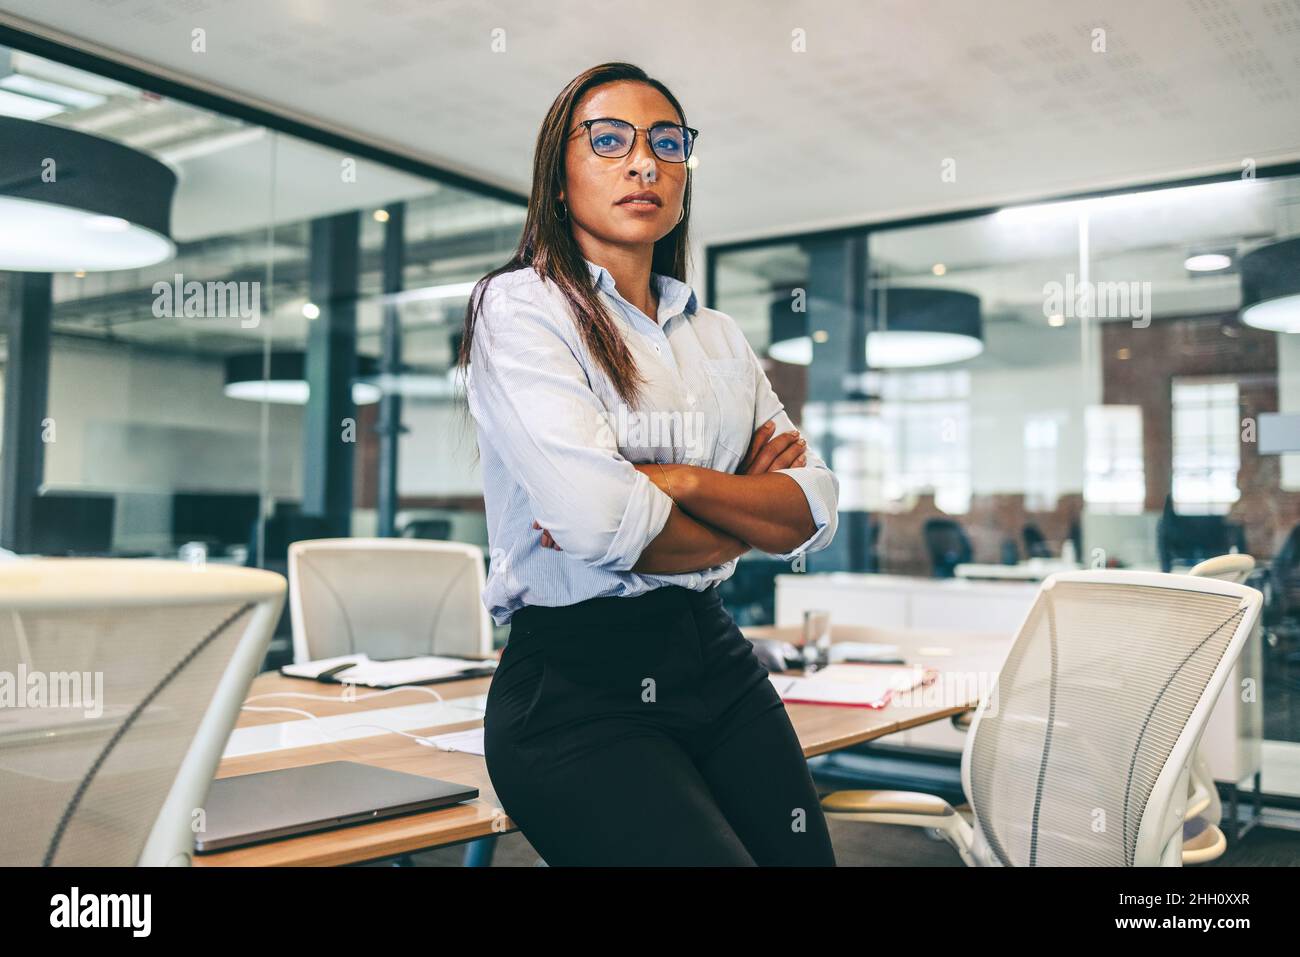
(681, 217)
(566, 213)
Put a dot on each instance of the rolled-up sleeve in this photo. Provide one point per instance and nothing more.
(820, 486)
(528, 391)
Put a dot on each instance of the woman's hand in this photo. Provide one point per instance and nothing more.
(767, 453)
(547, 541)
(681, 482)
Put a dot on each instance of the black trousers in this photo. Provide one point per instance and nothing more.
(644, 731)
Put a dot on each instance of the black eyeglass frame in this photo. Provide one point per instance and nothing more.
(689, 140)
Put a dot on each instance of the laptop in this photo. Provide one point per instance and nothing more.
(270, 805)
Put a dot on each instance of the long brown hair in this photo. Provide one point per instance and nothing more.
(548, 246)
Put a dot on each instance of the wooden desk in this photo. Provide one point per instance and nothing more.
(820, 728)
(823, 729)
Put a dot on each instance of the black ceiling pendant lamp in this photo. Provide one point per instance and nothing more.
(287, 380)
(915, 327)
(924, 327)
(71, 201)
(1270, 286)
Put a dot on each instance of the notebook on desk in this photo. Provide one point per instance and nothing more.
(851, 685)
(362, 670)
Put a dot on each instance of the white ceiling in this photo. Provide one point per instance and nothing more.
(852, 130)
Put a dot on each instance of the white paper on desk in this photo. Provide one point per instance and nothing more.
(869, 686)
(471, 741)
(409, 671)
(861, 651)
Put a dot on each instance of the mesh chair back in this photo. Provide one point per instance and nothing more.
(388, 598)
(119, 683)
(1079, 754)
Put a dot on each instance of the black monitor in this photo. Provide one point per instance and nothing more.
(64, 523)
(218, 519)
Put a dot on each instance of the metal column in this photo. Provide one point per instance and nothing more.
(27, 382)
(837, 316)
(390, 405)
(330, 424)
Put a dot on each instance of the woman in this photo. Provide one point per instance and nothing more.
(632, 449)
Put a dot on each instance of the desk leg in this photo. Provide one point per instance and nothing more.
(478, 853)
(1240, 830)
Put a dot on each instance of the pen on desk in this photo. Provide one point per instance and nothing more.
(330, 673)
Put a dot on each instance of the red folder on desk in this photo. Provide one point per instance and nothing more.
(852, 685)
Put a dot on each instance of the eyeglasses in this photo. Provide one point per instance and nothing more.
(615, 138)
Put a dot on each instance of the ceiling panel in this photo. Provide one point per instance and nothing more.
(857, 126)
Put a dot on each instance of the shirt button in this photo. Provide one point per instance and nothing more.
(656, 350)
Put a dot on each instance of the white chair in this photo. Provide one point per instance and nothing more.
(387, 598)
(144, 666)
(1081, 753)
(1203, 838)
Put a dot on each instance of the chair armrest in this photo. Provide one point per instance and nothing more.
(1197, 802)
(887, 802)
(1206, 845)
(908, 808)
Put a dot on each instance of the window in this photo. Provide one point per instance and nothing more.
(914, 439)
(1114, 480)
(1206, 446)
(926, 429)
(858, 437)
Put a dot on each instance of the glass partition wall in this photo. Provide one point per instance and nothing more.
(1104, 382)
(269, 362)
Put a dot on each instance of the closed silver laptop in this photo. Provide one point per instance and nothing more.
(270, 805)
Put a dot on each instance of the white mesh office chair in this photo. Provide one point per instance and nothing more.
(1203, 839)
(112, 774)
(1081, 753)
(388, 598)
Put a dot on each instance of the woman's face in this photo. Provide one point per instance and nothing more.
(597, 187)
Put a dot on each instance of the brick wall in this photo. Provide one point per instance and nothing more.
(1138, 366)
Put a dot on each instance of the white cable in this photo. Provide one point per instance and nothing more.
(372, 694)
(315, 720)
(362, 697)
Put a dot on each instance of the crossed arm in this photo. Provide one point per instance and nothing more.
(530, 394)
(718, 516)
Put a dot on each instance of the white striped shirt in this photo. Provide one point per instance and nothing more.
(557, 444)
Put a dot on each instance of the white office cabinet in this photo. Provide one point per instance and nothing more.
(897, 601)
(843, 596)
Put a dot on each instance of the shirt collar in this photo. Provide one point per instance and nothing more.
(675, 296)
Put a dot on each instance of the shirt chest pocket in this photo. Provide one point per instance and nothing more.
(731, 385)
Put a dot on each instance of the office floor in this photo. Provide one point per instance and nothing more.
(862, 845)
